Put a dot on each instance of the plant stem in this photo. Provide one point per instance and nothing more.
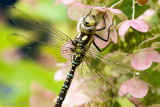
(134, 74)
(118, 3)
(106, 3)
(139, 47)
(133, 7)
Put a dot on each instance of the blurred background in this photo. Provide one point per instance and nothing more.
(22, 79)
(27, 74)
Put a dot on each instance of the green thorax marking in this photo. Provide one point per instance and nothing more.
(81, 46)
(83, 40)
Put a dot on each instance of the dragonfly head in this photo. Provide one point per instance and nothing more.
(88, 25)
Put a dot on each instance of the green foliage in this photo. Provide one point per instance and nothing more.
(152, 98)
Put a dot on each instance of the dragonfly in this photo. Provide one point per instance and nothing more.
(78, 51)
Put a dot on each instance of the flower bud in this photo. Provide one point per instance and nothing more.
(142, 2)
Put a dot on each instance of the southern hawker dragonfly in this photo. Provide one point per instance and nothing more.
(79, 51)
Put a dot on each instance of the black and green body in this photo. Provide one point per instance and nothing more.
(80, 45)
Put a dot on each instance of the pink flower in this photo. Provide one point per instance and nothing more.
(138, 24)
(61, 74)
(142, 59)
(77, 10)
(148, 14)
(136, 88)
(77, 95)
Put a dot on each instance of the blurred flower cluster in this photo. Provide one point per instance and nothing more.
(40, 96)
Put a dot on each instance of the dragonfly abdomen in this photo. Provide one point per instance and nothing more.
(66, 86)
(79, 51)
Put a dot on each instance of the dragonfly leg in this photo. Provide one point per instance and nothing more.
(101, 50)
(104, 23)
(106, 40)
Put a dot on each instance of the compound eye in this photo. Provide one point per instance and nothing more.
(86, 23)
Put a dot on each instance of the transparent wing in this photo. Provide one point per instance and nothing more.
(32, 48)
(97, 75)
(113, 62)
(95, 81)
(40, 35)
